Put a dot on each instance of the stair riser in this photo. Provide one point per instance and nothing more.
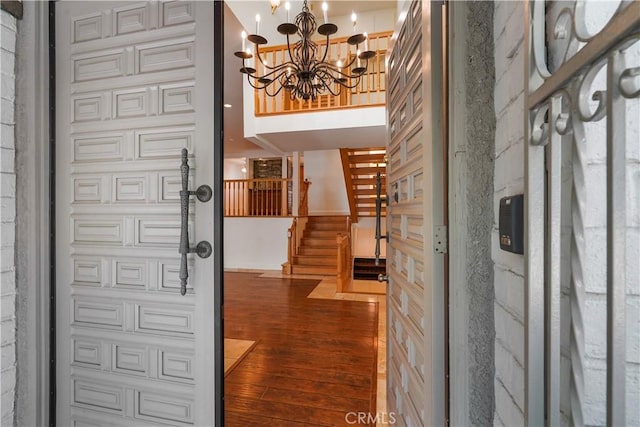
(320, 234)
(334, 228)
(327, 271)
(329, 252)
(326, 220)
(323, 243)
(328, 261)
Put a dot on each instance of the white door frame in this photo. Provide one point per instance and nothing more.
(33, 229)
(33, 239)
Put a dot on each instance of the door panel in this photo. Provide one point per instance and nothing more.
(415, 386)
(130, 349)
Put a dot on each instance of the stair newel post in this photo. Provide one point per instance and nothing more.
(349, 243)
(291, 248)
(340, 266)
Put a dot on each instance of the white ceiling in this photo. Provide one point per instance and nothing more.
(235, 145)
(327, 139)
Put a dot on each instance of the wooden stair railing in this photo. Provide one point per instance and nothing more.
(344, 261)
(360, 167)
(303, 207)
(257, 197)
(294, 236)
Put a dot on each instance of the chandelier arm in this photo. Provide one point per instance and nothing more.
(289, 50)
(329, 76)
(350, 63)
(255, 83)
(355, 84)
(339, 72)
(330, 89)
(326, 50)
(251, 83)
(267, 66)
(326, 80)
(275, 70)
(280, 87)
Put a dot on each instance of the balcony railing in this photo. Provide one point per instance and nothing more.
(257, 197)
(370, 91)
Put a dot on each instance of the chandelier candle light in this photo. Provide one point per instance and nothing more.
(307, 73)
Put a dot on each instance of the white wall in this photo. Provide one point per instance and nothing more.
(7, 217)
(373, 21)
(363, 236)
(508, 180)
(255, 243)
(233, 168)
(327, 193)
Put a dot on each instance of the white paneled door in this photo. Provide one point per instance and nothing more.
(134, 86)
(416, 390)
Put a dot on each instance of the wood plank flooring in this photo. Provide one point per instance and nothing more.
(314, 360)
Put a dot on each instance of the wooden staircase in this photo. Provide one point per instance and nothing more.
(318, 250)
(360, 167)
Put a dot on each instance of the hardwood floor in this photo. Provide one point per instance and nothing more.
(314, 360)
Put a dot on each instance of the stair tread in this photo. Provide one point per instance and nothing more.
(352, 151)
(368, 181)
(366, 158)
(370, 208)
(368, 170)
(368, 202)
(367, 191)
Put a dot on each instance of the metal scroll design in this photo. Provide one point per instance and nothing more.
(586, 102)
(568, 33)
(203, 248)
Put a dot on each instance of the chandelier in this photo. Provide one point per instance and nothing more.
(306, 73)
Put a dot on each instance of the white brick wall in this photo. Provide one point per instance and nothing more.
(7, 217)
(508, 180)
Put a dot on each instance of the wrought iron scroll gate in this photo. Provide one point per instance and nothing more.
(577, 76)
